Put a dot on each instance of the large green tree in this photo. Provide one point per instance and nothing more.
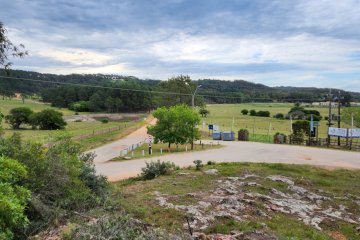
(18, 116)
(355, 112)
(48, 119)
(175, 125)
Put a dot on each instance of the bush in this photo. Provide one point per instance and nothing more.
(244, 112)
(279, 116)
(263, 114)
(156, 169)
(60, 178)
(198, 164)
(211, 163)
(252, 112)
(81, 106)
(104, 120)
(18, 116)
(48, 119)
(13, 197)
(279, 138)
(243, 135)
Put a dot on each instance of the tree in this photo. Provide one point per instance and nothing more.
(244, 112)
(13, 197)
(48, 119)
(176, 124)
(18, 116)
(355, 112)
(252, 112)
(8, 49)
(279, 116)
(204, 112)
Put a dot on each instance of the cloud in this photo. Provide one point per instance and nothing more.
(300, 42)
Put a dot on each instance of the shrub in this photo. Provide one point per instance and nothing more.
(244, 112)
(211, 163)
(48, 119)
(81, 106)
(279, 138)
(263, 114)
(252, 112)
(243, 135)
(279, 116)
(156, 169)
(60, 178)
(13, 197)
(18, 116)
(198, 164)
(104, 120)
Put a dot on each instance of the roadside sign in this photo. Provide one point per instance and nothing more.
(211, 127)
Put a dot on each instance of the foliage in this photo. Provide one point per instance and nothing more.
(279, 116)
(48, 119)
(13, 197)
(60, 178)
(80, 106)
(183, 86)
(176, 124)
(346, 115)
(156, 169)
(117, 227)
(7, 48)
(243, 135)
(244, 112)
(204, 112)
(18, 116)
(105, 120)
(252, 112)
(301, 128)
(263, 114)
(211, 163)
(198, 164)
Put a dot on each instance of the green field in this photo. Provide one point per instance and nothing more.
(7, 105)
(223, 115)
(103, 132)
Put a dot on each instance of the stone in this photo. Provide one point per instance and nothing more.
(183, 174)
(211, 171)
(277, 178)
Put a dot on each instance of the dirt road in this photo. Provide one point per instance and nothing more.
(232, 152)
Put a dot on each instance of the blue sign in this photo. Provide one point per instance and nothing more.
(211, 127)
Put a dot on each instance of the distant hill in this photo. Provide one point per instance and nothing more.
(217, 91)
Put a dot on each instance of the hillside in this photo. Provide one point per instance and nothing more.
(216, 91)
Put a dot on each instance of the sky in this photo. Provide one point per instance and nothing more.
(312, 43)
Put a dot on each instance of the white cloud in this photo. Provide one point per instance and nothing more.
(75, 56)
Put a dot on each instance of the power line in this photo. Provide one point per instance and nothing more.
(154, 91)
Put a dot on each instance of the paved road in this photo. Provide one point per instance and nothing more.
(112, 150)
(234, 152)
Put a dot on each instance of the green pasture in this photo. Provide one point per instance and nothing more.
(229, 117)
(6, 105)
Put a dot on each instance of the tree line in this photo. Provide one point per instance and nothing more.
(81, 98)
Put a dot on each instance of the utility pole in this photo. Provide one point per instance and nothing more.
(338, 118)
(329, 119)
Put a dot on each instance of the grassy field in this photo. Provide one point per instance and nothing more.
(7, 105)
(156, 150)
(75, 129)
(223, 115)
(339, 189)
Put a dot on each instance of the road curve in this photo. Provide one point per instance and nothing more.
(237, 152)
